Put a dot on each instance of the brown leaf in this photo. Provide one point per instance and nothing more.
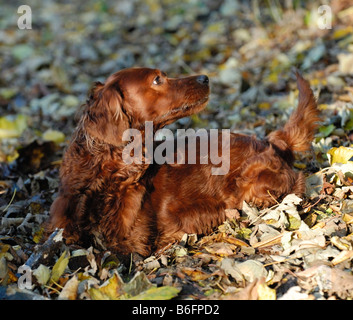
(196, 274)
(69, 292)
(250, 292)
(221, 248)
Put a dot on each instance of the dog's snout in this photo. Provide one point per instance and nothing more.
(202, 79)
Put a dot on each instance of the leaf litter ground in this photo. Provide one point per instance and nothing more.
(298, 249)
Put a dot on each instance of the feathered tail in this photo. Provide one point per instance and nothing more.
(298, 132)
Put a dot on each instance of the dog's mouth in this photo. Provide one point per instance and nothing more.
(184, 110)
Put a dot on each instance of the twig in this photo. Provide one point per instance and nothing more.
(273, 198)
(321, 196)
(269, 242)
(52, 288)
(130, 267)
(46, 250)
(219, 286)
(13, 197)
(284, 260)
(263, 213)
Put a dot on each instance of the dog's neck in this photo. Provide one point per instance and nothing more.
(109, 157)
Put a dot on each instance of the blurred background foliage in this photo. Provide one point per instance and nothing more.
(248, 48)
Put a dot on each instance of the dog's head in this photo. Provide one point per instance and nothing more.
(133, 96)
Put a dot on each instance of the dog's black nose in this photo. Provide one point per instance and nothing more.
(202, 79)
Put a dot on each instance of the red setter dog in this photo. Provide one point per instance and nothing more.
(141, 207)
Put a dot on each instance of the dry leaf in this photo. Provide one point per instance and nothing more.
(196, 274)
(69, 292)
(42, 274)
(221, 248)
(250, 292)
(342, 256)
(330, 280)
(266, 293)
(60, 266)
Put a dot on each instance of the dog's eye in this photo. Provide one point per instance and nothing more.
(157, 80)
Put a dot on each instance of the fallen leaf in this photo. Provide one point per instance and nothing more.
(251, 212)
(340, 155)
(341, 243)
(96, 294)
(265, 292)
(12, 127)
(229, 266)
(221, 248)
(161, 293)
(249, 270)
(195, 274)
(347, 218)
(342, 256)
(330, 280)
(111, 288)
(42, 274)
(60, 266)
(138, 284)
(314, 184)
(325, 131)
(252, 270)
(22, 51)
(53, 135)
(284, 215)
(69, 292)
(250, 292)
(345, 63)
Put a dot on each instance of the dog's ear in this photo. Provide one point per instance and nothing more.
(104, 117)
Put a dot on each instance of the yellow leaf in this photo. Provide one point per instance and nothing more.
(294, 223)
(12, 157)
(341, 243)
(340, 33)
(12, 128)
(272, 77)
(317, 81)
(347, 218)
(111, 287)
(299, 165)
(59, 267)
(161, 293)
(264, 105)
(266, 293)
(340, 155)
(38, 235)
(311, 219)
(322, 106)
(53, 135)
(244, 233)
(96, 294)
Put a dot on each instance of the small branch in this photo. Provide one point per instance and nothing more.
(47, 250)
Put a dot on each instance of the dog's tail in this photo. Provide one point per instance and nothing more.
(298, 132)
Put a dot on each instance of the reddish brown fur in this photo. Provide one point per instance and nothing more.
(101, 197)
(141, 207)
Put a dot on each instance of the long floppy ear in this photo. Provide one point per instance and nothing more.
(104, 117)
